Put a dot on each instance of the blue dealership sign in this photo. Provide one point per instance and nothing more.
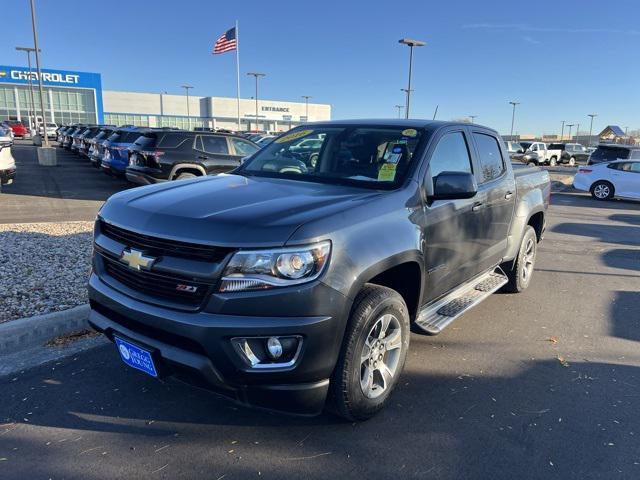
(56, 78)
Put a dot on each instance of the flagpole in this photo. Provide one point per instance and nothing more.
(238, 72)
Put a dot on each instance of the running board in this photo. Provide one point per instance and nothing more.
(437, 316)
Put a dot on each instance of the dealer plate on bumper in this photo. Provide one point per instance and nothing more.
(136, 357)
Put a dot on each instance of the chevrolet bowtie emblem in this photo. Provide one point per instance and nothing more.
(135, 259)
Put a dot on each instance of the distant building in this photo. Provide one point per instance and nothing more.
(614, 134)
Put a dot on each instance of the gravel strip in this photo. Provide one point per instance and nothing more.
(43, 267)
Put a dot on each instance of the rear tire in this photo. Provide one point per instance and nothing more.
(553, 161)
(373, 353)
(602, 190)
(572, 162)
(520, 271)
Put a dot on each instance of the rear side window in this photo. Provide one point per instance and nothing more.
(609, 154)
(450, 155)
(213, 144)
(491, 162)
(172, 140)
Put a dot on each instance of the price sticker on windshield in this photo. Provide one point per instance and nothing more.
(294, 136)
(409, 132)
(387, 172)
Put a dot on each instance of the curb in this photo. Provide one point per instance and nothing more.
(24, 333)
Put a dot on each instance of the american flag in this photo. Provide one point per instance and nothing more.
(226, 43)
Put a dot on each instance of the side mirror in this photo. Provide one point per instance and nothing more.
(520, 150)
(454, 185)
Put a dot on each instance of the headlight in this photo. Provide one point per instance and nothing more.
(282, 267)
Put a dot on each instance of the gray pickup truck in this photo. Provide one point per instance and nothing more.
(293, 285)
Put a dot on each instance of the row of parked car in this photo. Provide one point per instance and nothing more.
(152, 155)
(7, 162)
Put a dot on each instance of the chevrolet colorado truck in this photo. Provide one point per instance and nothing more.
(294, 287)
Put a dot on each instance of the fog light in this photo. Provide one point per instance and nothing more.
(274, 347)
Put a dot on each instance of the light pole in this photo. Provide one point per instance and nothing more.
(562, 131)
(513, 117)
(257, 75)
(472, 117)
(570, 125)
(411, 43)
(37, 50)
(306, 101)
(33, 103)
(399, 107)
(592, 115)
(186, 89)
(577, 132)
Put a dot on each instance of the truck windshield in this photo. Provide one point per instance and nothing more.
(374, 157)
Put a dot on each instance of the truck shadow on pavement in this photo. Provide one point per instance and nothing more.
(625, 318)
(550, 419)
(620, 234)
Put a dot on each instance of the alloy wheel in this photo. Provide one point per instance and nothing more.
(528, 260)
(601, 191)
(380, 356)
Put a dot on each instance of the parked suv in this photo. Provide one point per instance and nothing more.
(283, 285)
(535, 153)
(612, 152)
(159, 156)
(116, 151)
(569, 153)
(98, 145)
(7, 162)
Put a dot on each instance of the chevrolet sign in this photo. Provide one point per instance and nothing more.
(54, 77)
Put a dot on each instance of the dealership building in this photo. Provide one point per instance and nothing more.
(77, 97)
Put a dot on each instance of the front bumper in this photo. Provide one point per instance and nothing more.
(196, 346)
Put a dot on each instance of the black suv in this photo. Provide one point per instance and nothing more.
(610, 153)
(158, 156)
(572, 153)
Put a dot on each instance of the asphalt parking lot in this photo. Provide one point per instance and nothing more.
(71, 191)
(545, 384)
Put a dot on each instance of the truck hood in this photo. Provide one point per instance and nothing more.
(229, 210)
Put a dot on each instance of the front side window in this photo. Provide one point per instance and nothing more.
(369, 156)
(450, 155)
(243, 147)
(491, 163)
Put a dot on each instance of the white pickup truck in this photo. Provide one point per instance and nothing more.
(536, 153)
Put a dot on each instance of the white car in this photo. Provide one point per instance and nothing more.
(7, 162)
(619, 179)
(51, 130)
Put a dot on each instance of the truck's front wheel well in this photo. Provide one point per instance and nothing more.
(405, 279)
(537, 222)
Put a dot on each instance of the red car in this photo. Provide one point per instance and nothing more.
(19, 130)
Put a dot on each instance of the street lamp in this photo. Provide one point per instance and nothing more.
(577, 132)
(592, 115)
(399, 107)
(411, 43)
(37, 51)
(513, 117)
(570, 125)
(186, 89)
(472, 117)
(33, 103)
(306, 101)
(257, 75)
(562, 131)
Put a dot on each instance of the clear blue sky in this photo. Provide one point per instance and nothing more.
(561, 59)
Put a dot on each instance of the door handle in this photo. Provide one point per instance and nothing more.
(477, 206)
(508, 195)
(203, 157)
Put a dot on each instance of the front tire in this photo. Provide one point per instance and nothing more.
(373, 353)
(521, 270)
(572, 162)
(602, 190)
